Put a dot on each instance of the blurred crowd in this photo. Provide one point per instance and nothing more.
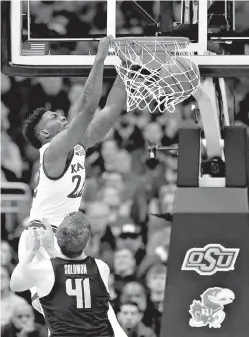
(124, 187)
(126, 192)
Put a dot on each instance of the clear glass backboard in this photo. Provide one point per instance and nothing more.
(45, 38)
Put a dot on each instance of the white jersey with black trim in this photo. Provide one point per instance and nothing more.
(55, 198)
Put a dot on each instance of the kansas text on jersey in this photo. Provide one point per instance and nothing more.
(55, 198)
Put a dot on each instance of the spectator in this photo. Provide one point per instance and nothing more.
(131, 238)
(22, 323)
(109, 152)
(134, 292)
(152, 180)
(153, 132)
(130, 317)
(11, 160)
(113, 197)
(112, 292)
(7, 256)
(102, 242)
(156, 280)
(171, 130)
(119, 211)
(114, 179)
(124, 265)
(130, 137)
(9, 300)
(166, 198)
(5, 124)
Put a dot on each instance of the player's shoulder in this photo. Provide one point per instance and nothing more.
(103, 267)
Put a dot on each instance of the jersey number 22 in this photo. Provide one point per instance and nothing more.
(81, 291)
(77, 192)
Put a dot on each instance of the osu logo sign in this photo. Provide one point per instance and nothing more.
(210, 259)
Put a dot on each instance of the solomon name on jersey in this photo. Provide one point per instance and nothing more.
(55, 198)
(78, 303)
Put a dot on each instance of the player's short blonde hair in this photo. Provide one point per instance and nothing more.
(73, 234)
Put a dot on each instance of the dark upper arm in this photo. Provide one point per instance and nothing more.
(58, 151)
(54, 169)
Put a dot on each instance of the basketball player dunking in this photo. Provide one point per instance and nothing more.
(62, 149)
(72, 287)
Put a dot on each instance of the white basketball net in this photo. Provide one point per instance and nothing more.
(155, 78)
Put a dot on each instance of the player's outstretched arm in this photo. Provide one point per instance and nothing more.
(105, 119)
(64, 141)
(26, 273)
(104, 271)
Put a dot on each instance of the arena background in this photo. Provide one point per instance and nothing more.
(124, 189)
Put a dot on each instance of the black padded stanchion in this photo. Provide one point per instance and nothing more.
(207, 288)
(188, 161)
(236, 161)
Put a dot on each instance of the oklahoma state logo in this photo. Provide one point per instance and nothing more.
(210, 259)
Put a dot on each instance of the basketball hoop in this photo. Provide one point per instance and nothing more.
(157, 71)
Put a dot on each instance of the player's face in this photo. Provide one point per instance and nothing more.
(53, 123)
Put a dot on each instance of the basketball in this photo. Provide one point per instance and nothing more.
(179, 76)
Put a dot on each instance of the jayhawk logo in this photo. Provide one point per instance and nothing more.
(210, 310)
(79, 150)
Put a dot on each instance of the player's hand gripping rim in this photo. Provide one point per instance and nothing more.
(103, 48)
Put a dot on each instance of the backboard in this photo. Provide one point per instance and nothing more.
(46, 38)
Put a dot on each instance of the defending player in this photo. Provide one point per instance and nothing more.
(73, 288)
(63, 146)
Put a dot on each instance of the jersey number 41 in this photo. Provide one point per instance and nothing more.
(81, 291)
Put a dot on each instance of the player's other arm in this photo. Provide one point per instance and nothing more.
(64, 141)
(26, 274)
(105, 272)
(105, 119)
